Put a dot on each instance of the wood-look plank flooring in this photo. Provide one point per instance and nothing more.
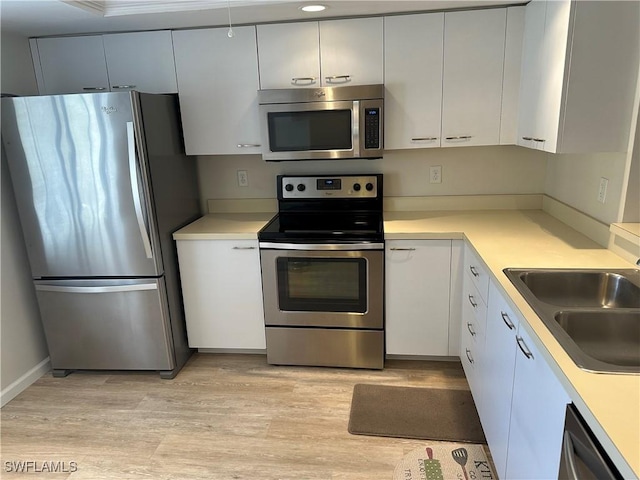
(222, 417)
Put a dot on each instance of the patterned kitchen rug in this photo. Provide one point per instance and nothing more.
(445, 461)
(413, 412)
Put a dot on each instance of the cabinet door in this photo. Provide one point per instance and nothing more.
(289, 55)
(554, 53)
(473, 67)
(537, 415)
(222, 291)
(532, 69)
(417, 297)
(72, 65)
(497, 371)
(413, 50)
(218, 85)
(351, 51)
(141, 61)
(511, 76)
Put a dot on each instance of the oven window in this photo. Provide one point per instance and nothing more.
(322, 284)
(310, 130)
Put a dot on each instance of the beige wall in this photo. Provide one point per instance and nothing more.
(574, 179)
(22, 339)
(465, 171)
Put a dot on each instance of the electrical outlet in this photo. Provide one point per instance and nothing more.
(243, 178)
(435, 174)
(602, 189)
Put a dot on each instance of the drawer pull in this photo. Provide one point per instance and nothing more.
(469, 357)
(248, 145)
(507, 321)
(527, 138)
(424, 139)
(399, 249)
(334, 78)
(121, 87)
(522, 345)
(474, 272)
(473, 304)
(473, 334)
(94, 89)
(244, 248)
(459, 137)
(307, 80)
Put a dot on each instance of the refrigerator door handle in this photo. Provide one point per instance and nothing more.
(103, 289)
(135, 190)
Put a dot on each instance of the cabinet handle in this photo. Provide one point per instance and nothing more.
(538, 139)
(507, 320)
(424, 139)
(459, 137)
(522, 345)
(473, 304)
(330, 79)
(310, 80)
(244, 248)
(248, 145)
(527, 138)
(469, 357)
(474, 272)
(398, 249)
(469, 325)
(123, 86)
(94, 89)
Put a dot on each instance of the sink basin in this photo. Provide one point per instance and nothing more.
(596, 332)
(574, 288)
(593, 314)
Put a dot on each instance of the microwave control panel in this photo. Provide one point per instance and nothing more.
(371, 128)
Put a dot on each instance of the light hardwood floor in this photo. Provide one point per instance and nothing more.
(222, 417)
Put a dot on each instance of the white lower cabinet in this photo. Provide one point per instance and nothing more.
(222, 292)
(537, 415)
(523, 403)
(417, 279)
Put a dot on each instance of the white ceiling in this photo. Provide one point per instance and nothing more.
(35, 18)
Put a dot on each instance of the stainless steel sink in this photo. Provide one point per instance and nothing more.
(576, 288)
(594, 314)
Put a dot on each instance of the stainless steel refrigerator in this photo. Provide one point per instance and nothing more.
(102, 181)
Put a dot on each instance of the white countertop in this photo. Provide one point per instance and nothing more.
(221, 226)
(509, 238)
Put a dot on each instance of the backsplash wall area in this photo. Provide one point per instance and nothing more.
(465, 171)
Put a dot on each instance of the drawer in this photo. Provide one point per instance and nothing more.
(470, 358)
(474, 307)
(477, 271)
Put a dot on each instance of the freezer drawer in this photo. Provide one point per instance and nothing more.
(106, 324)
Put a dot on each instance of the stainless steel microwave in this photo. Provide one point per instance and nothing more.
(327, 123)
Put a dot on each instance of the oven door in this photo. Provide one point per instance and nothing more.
(323, 288)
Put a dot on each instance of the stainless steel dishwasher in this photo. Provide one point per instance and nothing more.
(582, 456)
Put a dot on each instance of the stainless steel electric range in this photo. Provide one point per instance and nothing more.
(322, 259)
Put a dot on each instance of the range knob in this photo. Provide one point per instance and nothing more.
(288, 187)
(369, 187)
(356, 187)
(301, 187)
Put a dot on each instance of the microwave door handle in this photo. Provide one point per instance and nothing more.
(355, 128)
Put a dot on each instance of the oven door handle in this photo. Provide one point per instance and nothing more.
(322, 246)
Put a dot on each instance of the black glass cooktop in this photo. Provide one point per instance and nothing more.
(324, 227)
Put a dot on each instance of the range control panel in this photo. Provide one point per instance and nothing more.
(349, 186)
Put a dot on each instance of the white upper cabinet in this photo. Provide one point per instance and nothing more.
(71, 65)
(579, 70)
(413, 54)
(351, 51)
(321, 54)
(511, 75)
(140, 61)
(474, 43)
(289, 55)
(218, 85)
